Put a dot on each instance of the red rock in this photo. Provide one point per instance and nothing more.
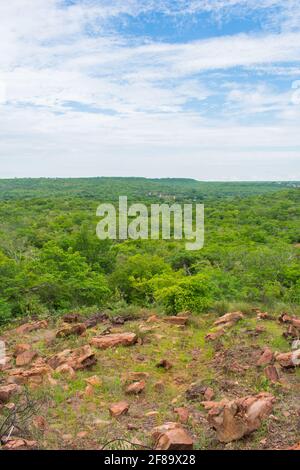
(159, 386)
(134, 377)
(152, 319)
(68, 330)
(177, 320)
(118, 409)
(112, 340)
(135, 388)
(21, 348)
(72, 318)
(266, 357)
(7, 391)
(215, 334)
(65, 369)
(28, 327)
(295, 447)
(209, 394)
(80, 358)
(183, 414)
(25, 358)
(82, 434)
(40, 423)
(229, 318)
(89, 391)
(34, 375)
(19, 444)
(171, 436)
(95, 381)
(289, 360)
(237, 418)
(164, 364)
(272, 374)
(262, 315)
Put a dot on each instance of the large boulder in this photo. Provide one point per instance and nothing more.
(112, 340)
(237, 418)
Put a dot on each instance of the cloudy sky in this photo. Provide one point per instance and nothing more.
(208, 89)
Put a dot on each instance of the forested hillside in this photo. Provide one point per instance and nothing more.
(51, 259)
(143, 344)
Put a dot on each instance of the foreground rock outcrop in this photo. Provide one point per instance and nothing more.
(237, 418)
(112, 340)
(171, 436)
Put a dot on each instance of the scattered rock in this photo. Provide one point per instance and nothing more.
(209, 394)
(149, 414)
(25, 358)
(234, 419)
(215, 334)
(159, 386)
(89, 391)
(117, 339)
(289, 360)
(95, 381)
(183, 414)
(177, 320)
(82, 434)
(262, 315)
(19, 444)
(40, 423)
(171, 436)
(164, 364)
(136, 387)
(7, 391)
(266, 358)
(118, 409)
(92, 321)
(80, 358)
(229, 319)
(21, 348)
(36, 375)
(28, 327)
(272, 374)
(68, 330)
(295, 447)
(134, 377)
(198, 391)
(72, 318)
(152, 319)
(66, 370)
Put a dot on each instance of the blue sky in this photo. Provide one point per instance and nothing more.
(208, 89)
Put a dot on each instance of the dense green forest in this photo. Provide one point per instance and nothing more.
(51, 260)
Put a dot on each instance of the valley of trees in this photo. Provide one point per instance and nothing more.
(51, 260)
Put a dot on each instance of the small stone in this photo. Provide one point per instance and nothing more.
(118, 409)
(164, 364)
(183, 414)
(136, 387)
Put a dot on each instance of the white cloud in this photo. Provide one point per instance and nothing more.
(56, 77)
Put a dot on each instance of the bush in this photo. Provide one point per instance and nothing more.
(194, 293)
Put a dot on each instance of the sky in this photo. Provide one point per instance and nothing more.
(206, 89)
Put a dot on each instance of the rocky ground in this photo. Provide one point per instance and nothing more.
(201, 382)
